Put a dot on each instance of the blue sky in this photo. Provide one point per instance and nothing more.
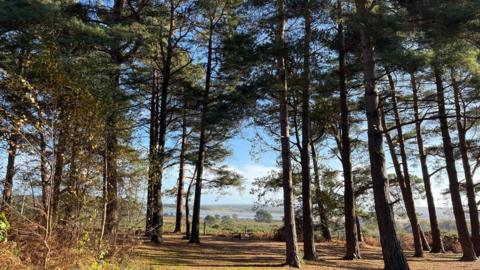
(260, 164)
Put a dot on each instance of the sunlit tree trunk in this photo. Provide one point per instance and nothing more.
(437, 244)
(181, 175)
(195, 234)
(159, 157)
(352, 249)
(324, 227)
(405, 179)
(401, 182)
(111, 141)
(154, 99)
(43, 175)
(462, 229)
(467, 170)
(292, 258)
(10, 173)
(393, 256)
(425, 244)
(359, 230)
(187, 206)
(58, 172)
(308, 229)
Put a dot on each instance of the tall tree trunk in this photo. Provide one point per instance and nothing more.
(159, 157)
(8, 187)
(195, 234)
(111, 176)
(324, 228)
(403, 188)
(43, 176)
(154, 100)
(181, 174)
(58, 173)
(437, 244)
(462, 229)
(352, 249)
(408, 195)
(71, 210)
(359, 230)
(104, 198)
(308, 229)
(292, 258)
(187, 212)
(111, 141)
(187, 206)
(393, 256)
(462, 138)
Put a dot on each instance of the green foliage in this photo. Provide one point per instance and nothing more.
(4, 226)
(263, 215)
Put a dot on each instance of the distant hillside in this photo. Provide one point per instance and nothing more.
(443, 213)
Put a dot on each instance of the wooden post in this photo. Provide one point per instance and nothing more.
(204, 228)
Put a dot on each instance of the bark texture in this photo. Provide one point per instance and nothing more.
(437, 244)
(404, 179)
(462, 229)
(308, 229)
(393, 255)
(10, 172)
(324, 227)
(467, 170)
(292, 258)
(195, 234)
(181, 175)
(352, 248)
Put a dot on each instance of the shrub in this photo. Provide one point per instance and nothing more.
(263, 216)
(4, 226)
(210, 220)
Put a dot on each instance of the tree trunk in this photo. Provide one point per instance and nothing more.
(195, 234)
(393, 256)
(352, 249)
(403, 189)
(318, 194)
(308, 229)
(8, 187)
(71, 210)
(437, 244)
(407, 194)
(359, 230)
(111, 141)
(58, 173)
(425, 244)
(292, 258)
(181, 174)
(104, 198)
(462, 138)
(462, 229)
(187, 206)
(187, 212)
(159, 157)
(111, 222)
(43, 176)
(154, 100)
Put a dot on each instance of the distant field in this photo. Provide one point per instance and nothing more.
(233, 227)
(243, 211)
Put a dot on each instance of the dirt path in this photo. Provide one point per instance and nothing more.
(226, 253)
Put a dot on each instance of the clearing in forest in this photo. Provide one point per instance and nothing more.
(227, 253)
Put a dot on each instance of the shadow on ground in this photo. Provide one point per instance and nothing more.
(226, 253)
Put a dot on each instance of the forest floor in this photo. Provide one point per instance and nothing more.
(227, 253)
